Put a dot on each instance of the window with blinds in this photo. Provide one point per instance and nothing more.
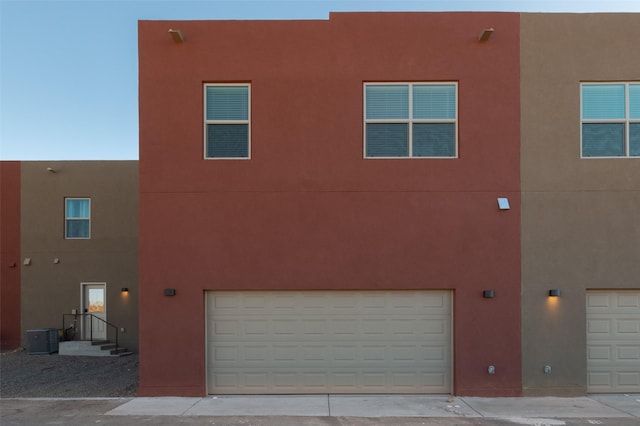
(226, 121)
(77, 218)
(610, 120)
(408, 120)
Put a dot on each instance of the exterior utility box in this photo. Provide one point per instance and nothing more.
(42, 341)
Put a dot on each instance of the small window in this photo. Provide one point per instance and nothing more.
(610, 120)
(226, 121)
(409, 120)
(77, 218)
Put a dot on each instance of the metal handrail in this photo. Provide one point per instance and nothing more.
(75, 327)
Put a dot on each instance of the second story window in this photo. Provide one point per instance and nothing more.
(610, 120)
(226, 121)
(410, 120)
(77, 218)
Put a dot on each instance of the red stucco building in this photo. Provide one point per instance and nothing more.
(321, 199)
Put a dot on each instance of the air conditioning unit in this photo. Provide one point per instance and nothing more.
(42, 341)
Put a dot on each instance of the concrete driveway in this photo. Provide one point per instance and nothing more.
(618, 410)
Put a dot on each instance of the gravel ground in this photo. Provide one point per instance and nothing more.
(54, 376)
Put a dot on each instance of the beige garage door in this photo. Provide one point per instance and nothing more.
(613, 341)
(328, 342)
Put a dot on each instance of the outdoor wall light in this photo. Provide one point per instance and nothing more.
(176, 35)
(488, 294)
(554, 292)
(503, 203)
(56, 260)
(125, 290)
(485, 34)
(51, 170)
(169, 291)
(27, 261)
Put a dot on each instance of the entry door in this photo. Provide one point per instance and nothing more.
(94, 302)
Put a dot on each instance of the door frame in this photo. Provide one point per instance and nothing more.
(83, 286)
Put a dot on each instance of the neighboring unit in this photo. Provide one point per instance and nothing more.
(75, 250)
(580, 112)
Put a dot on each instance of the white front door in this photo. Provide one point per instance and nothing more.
(94, 306)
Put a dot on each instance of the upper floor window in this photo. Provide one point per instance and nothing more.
(610, 120)
(77, 218)
(410, 120)
(226, 120)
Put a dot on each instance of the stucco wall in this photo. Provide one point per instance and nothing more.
(580, 223)
(110, 256)
(307, 211)
(9, 254)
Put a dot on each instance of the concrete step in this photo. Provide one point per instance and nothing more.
(87, 348)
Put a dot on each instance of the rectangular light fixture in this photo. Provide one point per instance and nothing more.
(503, 204)
(554, 292)
(488, 294)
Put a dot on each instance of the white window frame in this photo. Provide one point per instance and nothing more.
(67, 219)
(409, 121)
(247, 121)
(626, 121)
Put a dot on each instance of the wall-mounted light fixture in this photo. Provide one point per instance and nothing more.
(554, 292)
(56, 260)
(51, 170)
(169, 291)
(124, 290)
(488, 294)
(176, 35)
(503, 203)
(27, 261)
(485, 34)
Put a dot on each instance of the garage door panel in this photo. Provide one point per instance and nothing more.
(613, 341)
(319, 342)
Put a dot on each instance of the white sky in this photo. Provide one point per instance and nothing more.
(69, 86)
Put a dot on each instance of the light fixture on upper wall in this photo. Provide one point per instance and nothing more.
(485, 34)
(488, 294)
(51, 170)
(554, 292)
(176, 35)
(124, 290)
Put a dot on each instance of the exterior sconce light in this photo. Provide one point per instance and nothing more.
(488, 294)
(56, 260)
(554, 292)
(27, 261)
(169, 291)
(124, 290)
(503, 203)
(485, 34)
(177, 36)
(51, 170)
